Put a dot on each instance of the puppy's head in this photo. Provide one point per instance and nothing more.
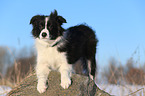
(47, 28)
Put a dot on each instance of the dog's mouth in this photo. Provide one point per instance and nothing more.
(47, 40)
(52, 43)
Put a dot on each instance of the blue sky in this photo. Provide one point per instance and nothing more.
(119, 24)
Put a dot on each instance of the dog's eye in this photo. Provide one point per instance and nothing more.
(41, 25)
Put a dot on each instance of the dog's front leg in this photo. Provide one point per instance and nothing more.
(42, 72)
(65, 76)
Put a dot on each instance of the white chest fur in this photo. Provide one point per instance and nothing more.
(49, 55)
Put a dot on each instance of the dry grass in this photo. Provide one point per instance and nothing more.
(16, 75)
(128, 75)
(132, 91)
(9, 82)
(120, 81)
(4, 81)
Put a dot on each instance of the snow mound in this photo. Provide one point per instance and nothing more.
(123, 90)
(4, 90)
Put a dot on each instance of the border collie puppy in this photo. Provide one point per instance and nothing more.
(57, 48)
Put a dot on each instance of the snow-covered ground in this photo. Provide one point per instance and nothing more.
(123, 90)
(117, 90)
(4, 90)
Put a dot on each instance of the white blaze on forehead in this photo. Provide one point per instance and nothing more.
(45, 30)
(46, 20)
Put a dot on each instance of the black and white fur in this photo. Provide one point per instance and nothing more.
(58, 49)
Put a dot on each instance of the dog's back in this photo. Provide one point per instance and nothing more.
(81, 43)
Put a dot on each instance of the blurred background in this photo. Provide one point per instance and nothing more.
(119, 26)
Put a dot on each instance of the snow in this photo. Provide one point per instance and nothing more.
(117, 90)
(4, 90)
(123, 90)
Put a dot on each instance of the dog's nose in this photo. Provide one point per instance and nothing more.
(44, 34)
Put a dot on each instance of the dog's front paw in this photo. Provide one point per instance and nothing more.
(65, 82)
(41, 87)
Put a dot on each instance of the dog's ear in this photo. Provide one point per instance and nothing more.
(34, 19)
(59, 19)
(53, 14)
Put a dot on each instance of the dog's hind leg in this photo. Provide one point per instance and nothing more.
(92, 68)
